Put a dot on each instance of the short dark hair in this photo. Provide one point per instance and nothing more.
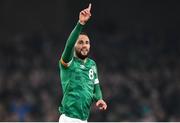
(83, 33)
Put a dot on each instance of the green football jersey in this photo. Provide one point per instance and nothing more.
(78, 81)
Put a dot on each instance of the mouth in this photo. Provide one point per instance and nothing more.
(84, 51)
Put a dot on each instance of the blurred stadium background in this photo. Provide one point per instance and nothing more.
(134, 42)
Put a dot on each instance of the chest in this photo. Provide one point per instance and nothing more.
(83, 72)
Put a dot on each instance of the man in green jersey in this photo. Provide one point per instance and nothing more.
(79, 77)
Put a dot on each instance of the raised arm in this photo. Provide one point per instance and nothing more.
(67, 54)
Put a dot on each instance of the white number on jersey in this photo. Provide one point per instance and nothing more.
(91, 74)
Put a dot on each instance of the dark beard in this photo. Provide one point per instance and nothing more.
(79, 55)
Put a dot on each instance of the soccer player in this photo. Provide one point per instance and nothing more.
(79, 77)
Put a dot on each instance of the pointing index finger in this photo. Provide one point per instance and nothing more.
(89, 7)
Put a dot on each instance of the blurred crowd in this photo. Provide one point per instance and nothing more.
(138, 73)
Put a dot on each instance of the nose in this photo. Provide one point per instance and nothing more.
(84, 46)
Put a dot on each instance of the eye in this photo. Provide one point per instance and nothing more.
(80, 42)
(87, 42)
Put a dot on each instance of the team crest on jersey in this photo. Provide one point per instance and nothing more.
(82, 66)
(94, 69)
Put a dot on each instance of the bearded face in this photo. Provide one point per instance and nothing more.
(82, 47)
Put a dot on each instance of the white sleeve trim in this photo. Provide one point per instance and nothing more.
(96, 81)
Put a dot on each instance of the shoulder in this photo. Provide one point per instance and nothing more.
(91, 61)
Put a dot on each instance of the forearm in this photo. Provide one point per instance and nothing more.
(69, 47)
(97, 92)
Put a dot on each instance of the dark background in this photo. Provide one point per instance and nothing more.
(134, 42)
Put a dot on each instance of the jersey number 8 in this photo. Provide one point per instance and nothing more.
(91, 74)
